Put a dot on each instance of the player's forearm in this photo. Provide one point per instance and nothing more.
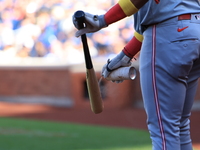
(134, 45)
(123, 9)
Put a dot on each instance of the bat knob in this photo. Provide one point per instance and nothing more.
(80, 17)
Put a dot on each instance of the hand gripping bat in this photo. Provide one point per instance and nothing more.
(91, 79)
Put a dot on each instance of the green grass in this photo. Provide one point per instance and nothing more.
(19, 134)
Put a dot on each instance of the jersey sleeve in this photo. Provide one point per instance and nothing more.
(119, 11)
(134, 45)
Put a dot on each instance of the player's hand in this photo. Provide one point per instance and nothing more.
(121, 60)
(93, 23)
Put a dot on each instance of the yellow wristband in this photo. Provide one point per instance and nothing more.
(138, 36)
(128, 7)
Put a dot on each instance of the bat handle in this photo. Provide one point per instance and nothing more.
(80, 17)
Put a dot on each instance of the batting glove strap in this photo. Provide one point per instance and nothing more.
(102, 22)
(108, 69)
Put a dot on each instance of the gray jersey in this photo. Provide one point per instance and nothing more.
(152, 13)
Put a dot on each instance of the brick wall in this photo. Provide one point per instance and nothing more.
(30, 81)
(64, 82)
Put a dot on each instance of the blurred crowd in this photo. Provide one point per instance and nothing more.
(44, 28)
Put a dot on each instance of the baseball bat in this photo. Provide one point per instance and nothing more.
(122, 73)
(91, 79)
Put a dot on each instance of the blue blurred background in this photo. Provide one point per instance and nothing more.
(44, 29)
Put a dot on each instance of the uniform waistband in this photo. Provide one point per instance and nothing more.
(174, 19)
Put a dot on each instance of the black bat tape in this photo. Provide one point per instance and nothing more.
(88, 60)
(80, 17)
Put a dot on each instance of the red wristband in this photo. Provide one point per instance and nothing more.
(132, 47)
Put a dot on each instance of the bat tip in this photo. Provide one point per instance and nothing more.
(97, 111)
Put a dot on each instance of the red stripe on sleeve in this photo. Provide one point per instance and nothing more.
(114, 14)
